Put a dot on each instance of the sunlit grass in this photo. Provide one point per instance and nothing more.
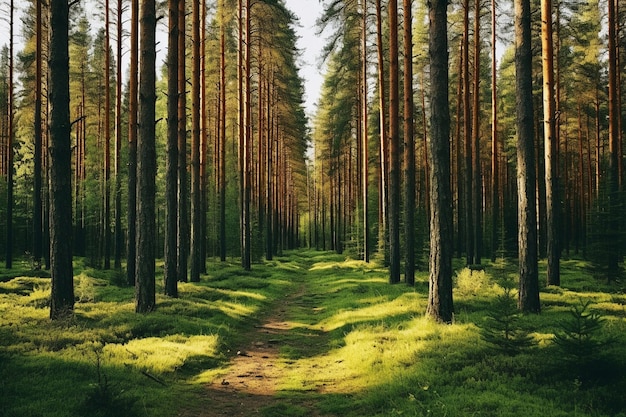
(355, 344)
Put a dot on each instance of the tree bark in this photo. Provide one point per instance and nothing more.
(613, 174)
(170, 276)
(222, 137)
(394, 146)
(10, 157)
(440, 303)
(383, 153)
(107, 138)
(467, 139)
(38, 174)
(119, 238)
(526, 180)
(409, 148)
(183, 200)
(495, 171)
(550, 145)
(364, 136)
(477, 197)
(145, 298)
(247, 143)
(196, 200)
(131, 245)
(62, 296)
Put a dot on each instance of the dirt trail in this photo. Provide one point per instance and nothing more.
(252, 380)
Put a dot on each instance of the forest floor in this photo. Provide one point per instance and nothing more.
(251, 384)
(313, 334)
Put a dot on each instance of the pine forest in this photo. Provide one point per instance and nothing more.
(187, 229)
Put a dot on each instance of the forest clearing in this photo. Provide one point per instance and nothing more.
(312, 334)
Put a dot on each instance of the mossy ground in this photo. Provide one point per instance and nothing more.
(350, 345)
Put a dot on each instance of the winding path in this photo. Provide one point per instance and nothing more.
(252, 381)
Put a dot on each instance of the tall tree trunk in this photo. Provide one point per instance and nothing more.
(495, 184)
(145, 298)
(107, 138)
(170, 275)
(440, 304)
(409, 148)
(222, 137)
(38, 174)
(477, 197)
(11, 135)
(131, 245)
(196, 200)
(394, 146)
(551, 145)
(383, 153)
(183, 221)
(526, 181)
(613, 174)
(459, 169)
(204, 142)
(269, 185)
(119, 238)
(364, 136)
(467, 139)
(62, 296)
(247, 143)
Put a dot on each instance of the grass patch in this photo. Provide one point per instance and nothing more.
(355, 345)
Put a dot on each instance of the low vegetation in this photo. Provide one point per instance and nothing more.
(357, 345)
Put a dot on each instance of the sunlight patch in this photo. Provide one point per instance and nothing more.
(161, 355)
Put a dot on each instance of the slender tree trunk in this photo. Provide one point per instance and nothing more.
(196, 200)
(170, 275)
(204, 142)
(183, 221)
(119, 238)
(37, 174)
(461, 212)
(383, 154)
(145, 298)
(409, 148)
(131, 245)
(394, 146)
(526, 181)
(11, 135)
(222, 137)
(107, 137)
(477, 197)
(247, 144)
(550, 144)
(613, 174)
(440, 304)
(364, 136)
(495, 184)
(269, 206)
(467, 139)
(62, 296)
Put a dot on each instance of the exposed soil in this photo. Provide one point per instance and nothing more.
(251, 382)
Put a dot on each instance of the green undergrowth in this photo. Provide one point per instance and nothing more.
(355, 346)
(108, 360)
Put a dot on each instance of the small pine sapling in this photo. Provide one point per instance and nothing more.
(502, 328)
(578, 337)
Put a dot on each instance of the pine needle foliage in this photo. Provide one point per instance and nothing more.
(502, 328)
(579, 337)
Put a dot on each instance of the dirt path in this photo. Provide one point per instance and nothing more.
(252, 380)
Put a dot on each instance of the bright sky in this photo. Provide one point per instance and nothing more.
(311, 45)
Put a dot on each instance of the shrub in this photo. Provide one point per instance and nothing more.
(502, 329)
(578, 338)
